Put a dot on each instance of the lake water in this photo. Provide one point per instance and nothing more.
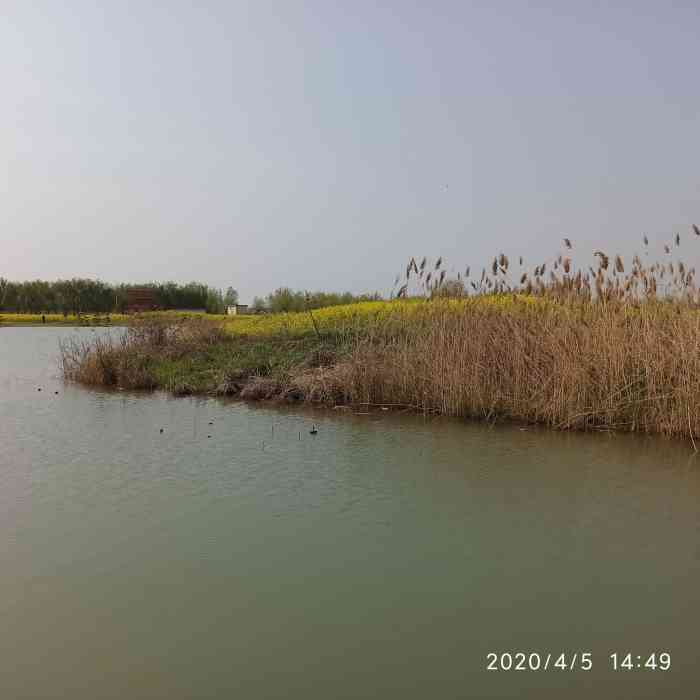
(384, 557)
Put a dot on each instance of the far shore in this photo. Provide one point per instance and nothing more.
(10, 320)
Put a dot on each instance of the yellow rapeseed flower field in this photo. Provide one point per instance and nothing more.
(364, 315)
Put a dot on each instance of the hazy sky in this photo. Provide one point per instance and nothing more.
(321, 144)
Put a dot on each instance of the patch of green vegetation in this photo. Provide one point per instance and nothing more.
(272, 357)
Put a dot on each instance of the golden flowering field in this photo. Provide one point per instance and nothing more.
(332, 318)
(364, 315)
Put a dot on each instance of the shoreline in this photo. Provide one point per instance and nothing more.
(62, 325)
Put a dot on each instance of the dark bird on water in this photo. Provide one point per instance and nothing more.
(313, 430)
(161, 430)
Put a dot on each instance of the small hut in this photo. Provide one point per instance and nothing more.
(140, 299)
(237, 309)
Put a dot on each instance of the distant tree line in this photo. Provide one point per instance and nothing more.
(93, 296)
(285, 299)
(77, 296)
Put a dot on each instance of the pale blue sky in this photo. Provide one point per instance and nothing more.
(309, 144)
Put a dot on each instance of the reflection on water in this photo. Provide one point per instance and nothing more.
(383, 557)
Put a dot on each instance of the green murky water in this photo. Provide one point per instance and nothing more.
(384, 557)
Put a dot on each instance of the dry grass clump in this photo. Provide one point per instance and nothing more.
(326, 385)
(103, 362)
(127, 360)
(230, 383)
(260, 388)
(174, 338)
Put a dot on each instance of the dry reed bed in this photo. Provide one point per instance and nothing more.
(592, 368)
